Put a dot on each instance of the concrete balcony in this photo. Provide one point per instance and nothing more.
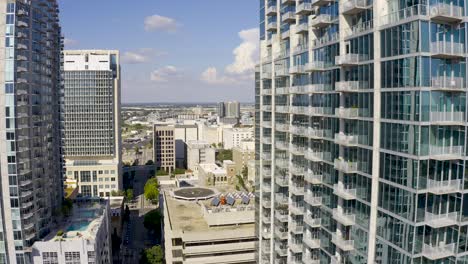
(348, 113)
(447, 118)
(21, 69)
(282, 109)
(434, 252)
(300, 89)
(314, 110)
(317, 156)
(448, 83)
(320, 87)
(446, 152)
(21, 46)
(281, 198)
(266, 233)
(297, 190)
(266, 75)
(266, 172)
(345, 166)
(296, 248)
(312, 242)
(22, 24)
(266, 124)
(313, 177)
(271, 11)
(266, 219)
(266, 187)
(447, 50)
(360, 28)
(297, 69)
(440, 220)
(281, 250)
(266, 203)
(313, 222)
(443, 12)
(304, 9)
(443, 187)
(272, 26)
(288, 2)
(313, 200)
(282, 71)
(350, 59)
(326, 39)
(288, 17)
(353, 7)
(342, 243)
(297, 170)
(283, 90)
(281, 217)
(281, 233)
(297, 150)
(282, 145)
(286, 34)
(296, 208)
(322, 20)
(266, 156)
(302, 28)
(321, 2)
(346, 140)
(299, 110)
(349, 86)
(282, 163)
(266, 92)
(300, 48)
(269, 41)
(299, 130)
(266, 108)
(344, 192)
(315, 66)
(343, 218)
(296, 228)
(282, 127)
(282, 181)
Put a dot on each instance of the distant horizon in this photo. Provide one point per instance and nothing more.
(195, 103)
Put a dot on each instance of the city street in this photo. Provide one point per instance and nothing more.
(138, 236)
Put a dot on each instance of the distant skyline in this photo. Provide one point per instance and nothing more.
(173, 51)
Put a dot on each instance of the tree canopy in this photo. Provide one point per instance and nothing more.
(151, 189)
(153, 255)
(152, 220)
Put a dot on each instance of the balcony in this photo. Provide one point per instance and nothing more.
(266, 124)
(297, 150)
(271, 11)
(282, 90)
(343, 244)
(302, 28)
(346, 140)
(350, 59)
(296, 208)
(448, 83)
(297, 190)
(300, 110)
(281, 233)
(281, 250)
(266, 219)
(282, 145)
(299, 130)
(313, 177)
(266, 173)
(345, 166)
(281, 198)
(447, 50)
(296, 228)
(266, 75)
(288, 2)
(266, 92)
(297, 170)
(282, 181)
(266, 203)
(438, 251)
(282, 163)
(320, 110)
(297, 69)
(315, 66)
(345, 219)
(316, 156)
(440, 220)
(326, 39)
(282, 109)
(321, 2)
(313, 222)
(443, 187)
(288, 17)
(322, 20)
(304, 9)
(21, 46)
(300, 89)
(286, 34)
(282, 217)
(272, 26)
(313, 200)
(22, 24)
(282, 71)
(312, 242)
(296, 248)
(360, 28)
(349, 113)
(443, 12)
(266, 187)
(353, 7)
(446, 152)
(447, 118)
(344, 192)
(282, 127)
(350, 86)
(300, 48)
(266, 156)
(266, 108)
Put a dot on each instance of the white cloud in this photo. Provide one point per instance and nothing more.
(70, 42)
(162, 23)
(246, 54)
(210, 75)
(140, 56)
(163, 74)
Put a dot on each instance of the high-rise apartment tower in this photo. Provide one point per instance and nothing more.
(30, 160)
(361, 112)
(91, 118)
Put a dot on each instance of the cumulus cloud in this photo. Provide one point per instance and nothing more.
(160, 23)
(246, 54)
(140, 56)
(164, 74)
(69, 42)
(210, 75)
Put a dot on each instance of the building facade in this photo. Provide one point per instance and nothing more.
(199, 152)
(30, 145)
(164, 148)
(361, 117)
(232, 137)
(243, 154)
(91, 118)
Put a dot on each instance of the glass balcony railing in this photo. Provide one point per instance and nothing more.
(446, 12)
(346, 140)
(288, 17)
(342, 243)
(315, 66)
(350, 59)
(350, 86)
(272, 26)
(361, 28)
(313, 177)
(440, 220)
(321, 2)
(349, 113)
(271, 11)
(282, 217)
(313, 200)
(440, 251)
(282, 181)
(312, 221)
(326, 39)
(346, 219)
(447, 118)
(448, 83)
(296, 69)
(311, 242)
(403, 14)
(299, 110)
(345, 166)
(443, 186)
(344, 192)
(296, 208)
(446, 152)
(447, 49)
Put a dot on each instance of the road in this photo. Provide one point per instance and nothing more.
(135, 231)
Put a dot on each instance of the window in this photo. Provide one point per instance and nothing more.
(91, 257)
(85, 176)
(49, 258)
(72, 258)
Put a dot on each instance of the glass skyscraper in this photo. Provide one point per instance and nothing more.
(30, 160)
(361, 117)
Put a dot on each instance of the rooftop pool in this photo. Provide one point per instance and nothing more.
(78, 226)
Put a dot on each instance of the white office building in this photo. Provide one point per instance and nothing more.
(232, 137)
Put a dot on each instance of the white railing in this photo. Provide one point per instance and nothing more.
(446, 10)
(282, 109)
(304, 7)
(350, 86)
(339, 241)
(359, 28)
(412, 11)
(300, 48)
(321, 20)
(271, 10)
(445, 186)
(346, 219)
(315, 66)
(446, 150)
(345, 166)
(288, 16)
(296, 69)
(313, 177)
(447, 117)
(326, 39)
(438, 251)
(299, 130)
(346, 193)
(350, 58)
(448, 83)
(347, 112)
(344, 139)
(313, 200)
(441, 220)
(283, 90)
(272, 26)
(447, 47)
(282, 127)
(312, 221)
(300, 89)
(355, 4)
(312, 242)
(300, 110)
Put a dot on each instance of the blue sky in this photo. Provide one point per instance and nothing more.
(171, 50)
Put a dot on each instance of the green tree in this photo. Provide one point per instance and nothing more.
(178, 171)
(151, 189)
(153, 255)
(224, 154)
(67, 206)
(149, 162)
(161, 173)
(129, 194)
(152, 221)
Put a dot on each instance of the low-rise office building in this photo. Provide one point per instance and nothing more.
(232, 137)
(83, 237)
(242, 154)
(210, 174)
(199, 152)
(202, 233)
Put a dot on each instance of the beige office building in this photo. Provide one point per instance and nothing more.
(91, 118)
(164, 148)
